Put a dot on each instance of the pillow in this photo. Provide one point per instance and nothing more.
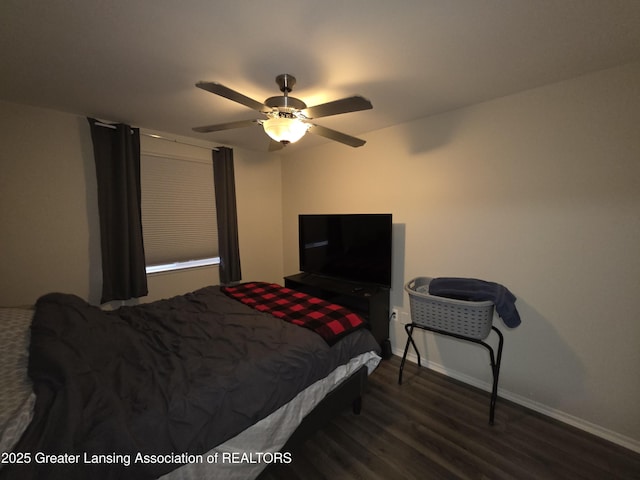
(16, 401)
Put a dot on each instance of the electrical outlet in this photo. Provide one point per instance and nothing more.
(395, 314)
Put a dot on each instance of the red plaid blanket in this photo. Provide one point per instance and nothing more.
(328, 320)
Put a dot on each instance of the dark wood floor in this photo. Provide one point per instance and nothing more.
(432, 427)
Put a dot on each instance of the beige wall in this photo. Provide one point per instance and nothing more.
(538, 191)
(259, 198)
(44, 197)
(48, 211)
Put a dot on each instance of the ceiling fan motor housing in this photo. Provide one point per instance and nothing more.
(285, 104)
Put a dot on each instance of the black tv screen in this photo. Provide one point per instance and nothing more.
(354, 247)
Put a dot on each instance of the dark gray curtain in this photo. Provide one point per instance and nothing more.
(224, 181)
(117, 157)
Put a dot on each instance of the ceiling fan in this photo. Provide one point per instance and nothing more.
(287, 118)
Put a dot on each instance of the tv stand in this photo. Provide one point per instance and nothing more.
(367, 300)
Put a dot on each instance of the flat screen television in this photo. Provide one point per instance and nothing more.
(353, 247)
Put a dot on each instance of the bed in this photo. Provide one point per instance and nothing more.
(202, 385)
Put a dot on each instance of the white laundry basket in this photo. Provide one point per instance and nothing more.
(458, 317)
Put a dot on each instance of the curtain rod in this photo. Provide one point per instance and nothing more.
(155, 135)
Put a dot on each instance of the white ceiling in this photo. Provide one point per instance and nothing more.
(136, 61)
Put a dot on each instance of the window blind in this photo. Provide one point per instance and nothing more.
(178, 209)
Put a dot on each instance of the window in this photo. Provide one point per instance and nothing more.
(178, 211)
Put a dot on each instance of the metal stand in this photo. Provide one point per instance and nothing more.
(495, 361)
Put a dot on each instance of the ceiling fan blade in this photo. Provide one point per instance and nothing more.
(346, 105)
(226, 92)
(335, 135)
(225, 126)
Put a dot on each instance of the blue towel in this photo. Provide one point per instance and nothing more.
(478, 290)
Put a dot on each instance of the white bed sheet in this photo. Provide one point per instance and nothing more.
(16, 394)
(271, 433)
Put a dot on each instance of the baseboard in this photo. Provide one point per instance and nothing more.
(604, 433)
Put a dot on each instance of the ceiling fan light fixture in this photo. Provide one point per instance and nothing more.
(285, 130)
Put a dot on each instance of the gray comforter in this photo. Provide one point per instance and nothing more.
(174, 376)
